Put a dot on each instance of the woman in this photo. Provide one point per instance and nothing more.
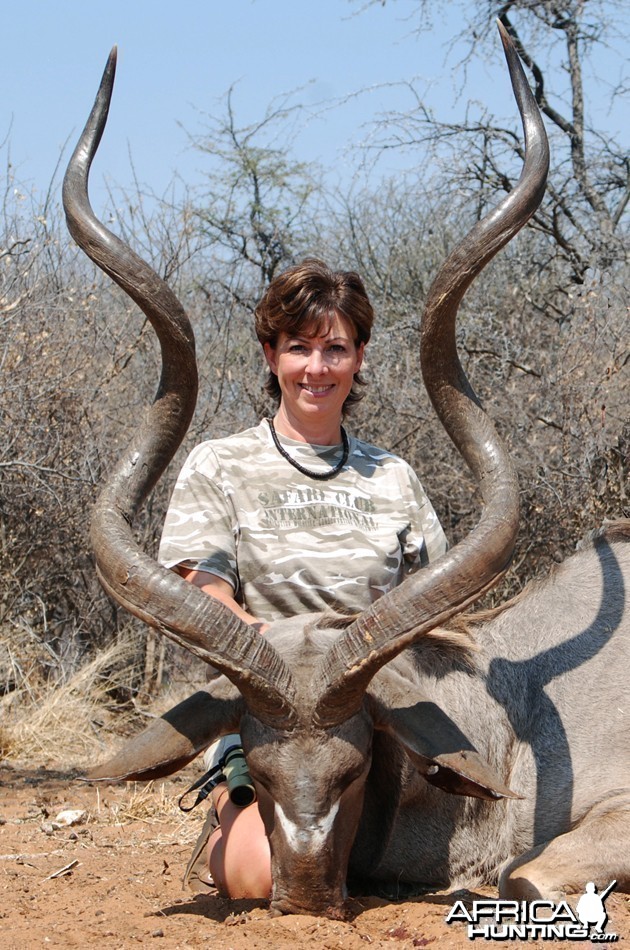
(294, 515)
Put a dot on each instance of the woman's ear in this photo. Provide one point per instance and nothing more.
(360, 352)
(270, 356)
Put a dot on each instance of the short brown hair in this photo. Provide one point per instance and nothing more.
(302, 300)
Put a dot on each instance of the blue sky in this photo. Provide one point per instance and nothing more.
(176, 61)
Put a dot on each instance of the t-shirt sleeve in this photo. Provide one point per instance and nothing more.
(200, 530)
(424, 540)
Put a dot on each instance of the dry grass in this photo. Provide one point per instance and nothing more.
(152, 805)
(148, 803)
(75, 723)
(60, 722)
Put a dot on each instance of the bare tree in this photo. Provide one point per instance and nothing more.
(585, 211)
(257, 199)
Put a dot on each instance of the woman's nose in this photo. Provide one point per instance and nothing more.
(316, 363)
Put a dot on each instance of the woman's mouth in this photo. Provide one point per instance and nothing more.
(316, 390)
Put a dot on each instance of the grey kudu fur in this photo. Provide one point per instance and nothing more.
(337, 703)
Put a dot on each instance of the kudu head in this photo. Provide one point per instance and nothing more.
(308, 697)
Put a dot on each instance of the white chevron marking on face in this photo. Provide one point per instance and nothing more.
(309, 838)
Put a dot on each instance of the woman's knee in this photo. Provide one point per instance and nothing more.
(238, 854)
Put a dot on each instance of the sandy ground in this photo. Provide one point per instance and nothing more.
(114, 880)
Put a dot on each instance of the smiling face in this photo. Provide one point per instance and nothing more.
(315, 374)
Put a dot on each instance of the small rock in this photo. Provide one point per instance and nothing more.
(71, 816)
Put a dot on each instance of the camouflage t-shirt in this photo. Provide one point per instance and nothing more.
(290, 544)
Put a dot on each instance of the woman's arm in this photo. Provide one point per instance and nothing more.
(219, 589)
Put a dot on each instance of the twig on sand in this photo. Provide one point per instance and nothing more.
(66, 869)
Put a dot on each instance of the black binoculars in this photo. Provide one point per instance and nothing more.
(231, 769)
(239, 781)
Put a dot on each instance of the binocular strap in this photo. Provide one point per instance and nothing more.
(205, 784)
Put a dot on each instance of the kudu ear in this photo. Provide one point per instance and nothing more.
(173, 740)
(437, 747)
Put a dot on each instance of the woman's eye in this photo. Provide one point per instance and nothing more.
(337, 348)
(297, 348)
